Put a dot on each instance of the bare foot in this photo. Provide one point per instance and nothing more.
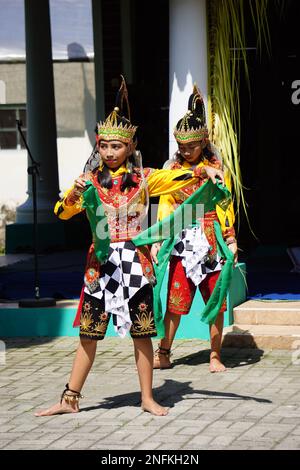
(215, 365)
(154, 408)
(59, 409)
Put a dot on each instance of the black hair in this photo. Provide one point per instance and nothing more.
(206, 153)
(105, 179)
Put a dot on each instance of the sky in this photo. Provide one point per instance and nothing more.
(71, 22)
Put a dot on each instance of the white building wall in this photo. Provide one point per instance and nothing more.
(188, 58)
(75, 115)
(13, 176)
(72, 154)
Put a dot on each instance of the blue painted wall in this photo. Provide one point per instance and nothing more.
(58, 321)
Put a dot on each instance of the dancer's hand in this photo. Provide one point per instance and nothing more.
(80, 183)
(212, 173)
(75, 193)
(234, 249)
(154, 251)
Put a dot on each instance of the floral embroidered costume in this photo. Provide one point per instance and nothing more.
(119, 277)
(195, 259)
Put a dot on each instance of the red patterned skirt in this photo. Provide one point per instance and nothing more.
(181, 290)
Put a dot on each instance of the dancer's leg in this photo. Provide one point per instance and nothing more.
(181, 293)
(162, 354)
(216, 332)
(82, 364)
(144, 361)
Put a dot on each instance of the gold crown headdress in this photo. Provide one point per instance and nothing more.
(192, 127)
(116, 126)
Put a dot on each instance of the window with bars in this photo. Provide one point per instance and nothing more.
(9, 135)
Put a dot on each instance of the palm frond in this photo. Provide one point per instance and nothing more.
(227, 58)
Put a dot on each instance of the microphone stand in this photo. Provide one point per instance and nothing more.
(33, 170)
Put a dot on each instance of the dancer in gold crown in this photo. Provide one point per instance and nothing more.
(194, 148)
(118, 276)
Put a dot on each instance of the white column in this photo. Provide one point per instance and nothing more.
(2, 92)
(188, 57)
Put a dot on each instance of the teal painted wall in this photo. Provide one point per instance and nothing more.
(58, 321)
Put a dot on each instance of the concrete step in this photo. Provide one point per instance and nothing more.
(60, 304)
(262, 336)
(255, 312)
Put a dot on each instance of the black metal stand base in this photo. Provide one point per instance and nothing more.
(33, 170)
(37, 303)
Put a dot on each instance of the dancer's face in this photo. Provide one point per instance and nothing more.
(113, 153)
(191, 152)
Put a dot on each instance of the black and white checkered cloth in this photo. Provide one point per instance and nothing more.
(193, 248)
(121, 278)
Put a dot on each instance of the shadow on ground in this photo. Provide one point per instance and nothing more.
(170, 393)
(26, 342)
(231, 357)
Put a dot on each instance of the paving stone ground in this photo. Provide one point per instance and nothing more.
(254, 405)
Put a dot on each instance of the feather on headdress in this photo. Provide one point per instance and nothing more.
(117, 126)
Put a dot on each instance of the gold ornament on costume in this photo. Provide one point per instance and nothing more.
(116, 126)
(192, 127)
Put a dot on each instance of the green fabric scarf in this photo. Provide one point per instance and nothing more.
(98, 221)
(209, 195)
